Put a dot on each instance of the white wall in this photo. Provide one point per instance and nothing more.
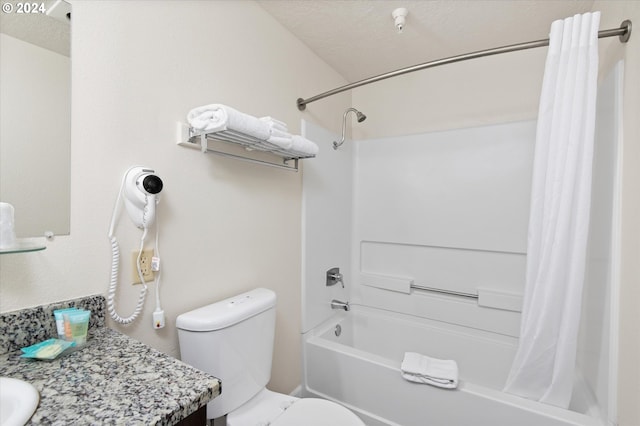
(327, 208)
(226, 226)
(502, 88)
(35, 98)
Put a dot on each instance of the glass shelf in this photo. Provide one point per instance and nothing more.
(23, 247)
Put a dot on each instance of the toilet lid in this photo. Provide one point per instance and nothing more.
(317, 412)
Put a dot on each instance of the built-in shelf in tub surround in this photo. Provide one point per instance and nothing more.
(113, 379)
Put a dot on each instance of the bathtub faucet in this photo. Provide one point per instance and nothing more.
(334, 277)
(336, 304)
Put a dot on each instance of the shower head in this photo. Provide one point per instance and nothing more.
(360, 117)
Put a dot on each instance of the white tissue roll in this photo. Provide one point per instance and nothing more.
(7, 230)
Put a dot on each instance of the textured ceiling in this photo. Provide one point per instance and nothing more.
(37, 28)
(359, 40)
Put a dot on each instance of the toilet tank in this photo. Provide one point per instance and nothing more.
(232, 340)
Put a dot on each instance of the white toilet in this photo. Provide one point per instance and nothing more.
(233, 340)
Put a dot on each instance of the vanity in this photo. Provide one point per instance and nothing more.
(113, 379)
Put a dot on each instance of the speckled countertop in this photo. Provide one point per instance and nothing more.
(113, 379)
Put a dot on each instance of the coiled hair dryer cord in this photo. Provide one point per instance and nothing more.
(115, 263)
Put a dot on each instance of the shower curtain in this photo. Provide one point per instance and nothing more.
(543, 368)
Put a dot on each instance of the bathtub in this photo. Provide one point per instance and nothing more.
(354, 359)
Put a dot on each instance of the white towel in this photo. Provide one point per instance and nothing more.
(279, 133)
(423, 369)
(303, 147)
(216, 117)
(280, 138)
(275, 124)
(282, 142)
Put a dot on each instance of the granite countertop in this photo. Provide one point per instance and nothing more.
(113, 379)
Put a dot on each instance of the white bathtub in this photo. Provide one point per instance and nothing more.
(361, 370)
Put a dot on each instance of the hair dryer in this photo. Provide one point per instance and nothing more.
(141, 189)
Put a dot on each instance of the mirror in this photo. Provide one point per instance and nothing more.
(35, 115)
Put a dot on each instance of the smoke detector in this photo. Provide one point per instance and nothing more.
(399, 16)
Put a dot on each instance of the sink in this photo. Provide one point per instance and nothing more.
(18, 401)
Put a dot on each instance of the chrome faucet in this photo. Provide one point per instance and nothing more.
(334, 277)
(336, 304)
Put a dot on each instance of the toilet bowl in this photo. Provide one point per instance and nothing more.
(233, 340)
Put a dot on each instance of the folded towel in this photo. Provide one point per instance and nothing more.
(302, 146)
(423, 369)
(279, 133)
(280, 138)
(282, 142)
(216, 117)
(275, 124)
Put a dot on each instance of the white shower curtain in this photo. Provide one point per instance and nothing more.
(543, 368)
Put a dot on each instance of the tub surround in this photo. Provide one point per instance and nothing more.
(112, 379)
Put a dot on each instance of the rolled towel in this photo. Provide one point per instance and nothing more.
(303, 146)
(431, 371)
(216, 117)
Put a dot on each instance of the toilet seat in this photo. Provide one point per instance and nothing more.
(276, 409)
(316, 412)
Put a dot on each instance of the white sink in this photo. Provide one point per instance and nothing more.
(18, 401)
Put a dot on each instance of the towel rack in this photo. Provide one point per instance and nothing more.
(278, 157)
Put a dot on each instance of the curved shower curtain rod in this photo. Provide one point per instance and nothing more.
(624, 32)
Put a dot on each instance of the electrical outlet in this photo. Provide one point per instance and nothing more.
(145, 266)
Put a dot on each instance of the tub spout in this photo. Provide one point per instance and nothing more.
(336, 304)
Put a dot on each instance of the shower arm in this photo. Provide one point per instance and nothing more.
(337, 145)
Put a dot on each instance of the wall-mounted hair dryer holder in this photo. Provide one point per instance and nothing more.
(140, 191)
